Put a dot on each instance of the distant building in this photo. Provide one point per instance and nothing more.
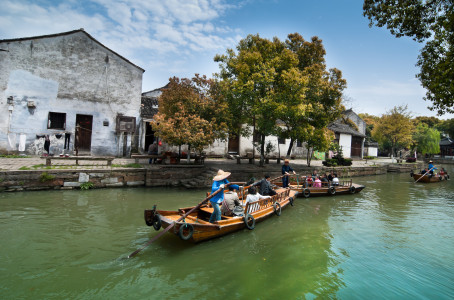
(148, 109)
(350, 133)
(447, 147)
(72, 88)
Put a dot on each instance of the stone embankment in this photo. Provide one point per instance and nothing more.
(189, 176)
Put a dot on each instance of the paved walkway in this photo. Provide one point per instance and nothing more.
(37, 163)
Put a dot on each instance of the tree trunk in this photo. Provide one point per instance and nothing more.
(188, 159)
(262, 150)
(278, 149)
(179, 152)
(309, 156)
(289, 151)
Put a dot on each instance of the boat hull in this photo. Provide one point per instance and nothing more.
(203, 230)
(427, 179)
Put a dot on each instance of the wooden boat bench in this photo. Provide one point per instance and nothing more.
(77, 158)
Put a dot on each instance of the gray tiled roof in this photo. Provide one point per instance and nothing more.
(446, 142)
(343, 128)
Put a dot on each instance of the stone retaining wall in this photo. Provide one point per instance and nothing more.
(192, 176)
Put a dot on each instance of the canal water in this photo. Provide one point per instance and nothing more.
(393, 240)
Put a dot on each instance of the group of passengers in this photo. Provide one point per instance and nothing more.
(316, 180)
(430, 170)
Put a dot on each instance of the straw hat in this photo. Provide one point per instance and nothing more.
(430, 161)
(221, 175)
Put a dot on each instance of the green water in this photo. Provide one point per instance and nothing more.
(394, 240)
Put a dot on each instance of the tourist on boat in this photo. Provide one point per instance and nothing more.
(335, 180)
(442, 172)
(219, 181)
(331, 176)
(309, 180)
(431, 168)
(324, 180)
(265, 186)
(314, 175)
(253, 196)
(285, 171)
(317, 182)
(230, 201)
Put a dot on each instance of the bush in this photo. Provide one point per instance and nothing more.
(334, 162)
(411, 159)
(369, 157)
(86, 185)
(46, 177)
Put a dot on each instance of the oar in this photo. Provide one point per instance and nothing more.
(173, 223)
(424, 174)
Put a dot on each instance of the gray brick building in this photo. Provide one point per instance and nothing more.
(70, 90)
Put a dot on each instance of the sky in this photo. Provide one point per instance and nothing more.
(181, 37)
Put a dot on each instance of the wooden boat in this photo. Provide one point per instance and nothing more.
(431, 179)
(195, 226)
(344, 187)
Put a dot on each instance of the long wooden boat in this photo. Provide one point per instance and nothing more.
(344, 188)
(196, 226)
(429, 179)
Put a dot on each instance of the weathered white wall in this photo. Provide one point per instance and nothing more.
(345, 142)
(70, 74)
(372, 151)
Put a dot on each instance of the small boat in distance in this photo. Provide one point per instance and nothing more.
(429, 178)
(326, 189)
(195, 226)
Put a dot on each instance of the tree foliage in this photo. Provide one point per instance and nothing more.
(280, 87)
(192, 112)
(426, 139)
(447, 127)
(395, 128)
(423, 20)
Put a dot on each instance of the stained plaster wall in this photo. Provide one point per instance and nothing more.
(69, 74)
(345, 142)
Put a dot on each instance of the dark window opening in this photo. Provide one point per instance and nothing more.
(299, 143)
(56, 120)
(256, 137)
(281, 141)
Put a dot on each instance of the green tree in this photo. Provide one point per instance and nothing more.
(447, 127)
(423, 20)
(192, 112)
(310, 95)
(426, 139)
(250, 79)
(371, 121)
(395, 127)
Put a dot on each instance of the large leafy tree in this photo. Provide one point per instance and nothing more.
(249, 79)
(426, 139)
(394, 128)
(191, 112)
(281, 87)
(311, 96)
(447, 127)
(423, 20)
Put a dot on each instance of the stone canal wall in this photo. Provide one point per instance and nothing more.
(192, 176)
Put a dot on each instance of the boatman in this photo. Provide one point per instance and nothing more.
(265, 186)
(286, 169)
(219, 181)
(431, 168)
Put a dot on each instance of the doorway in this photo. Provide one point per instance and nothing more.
(84, 124)
(149, 136)
(234, 144)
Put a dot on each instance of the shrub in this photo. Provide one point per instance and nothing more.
(46, 177)
(369, 157)
(411, 159)
(86, 185)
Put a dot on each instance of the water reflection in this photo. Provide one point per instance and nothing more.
(393, 239)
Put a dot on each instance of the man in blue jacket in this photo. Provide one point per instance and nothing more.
(219, 181)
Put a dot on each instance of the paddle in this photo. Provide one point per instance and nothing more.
(424, 175)
(173, 223)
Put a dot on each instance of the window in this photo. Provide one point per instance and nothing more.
(56, 120)
(256, 137)
(281, 140)
(299, 143)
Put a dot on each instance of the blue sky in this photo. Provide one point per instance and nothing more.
(180, 37)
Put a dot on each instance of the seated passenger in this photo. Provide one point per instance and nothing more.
(265, 186)
(253, 196)
(230, 201)
(317, 182)
(324, 180)
(442, 172)
(335, 179)
(309, 180)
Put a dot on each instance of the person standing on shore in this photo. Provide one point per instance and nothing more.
(285, 171)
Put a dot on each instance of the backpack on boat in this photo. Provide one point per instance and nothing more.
(238, 211)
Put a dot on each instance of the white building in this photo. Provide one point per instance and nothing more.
(68, 86)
